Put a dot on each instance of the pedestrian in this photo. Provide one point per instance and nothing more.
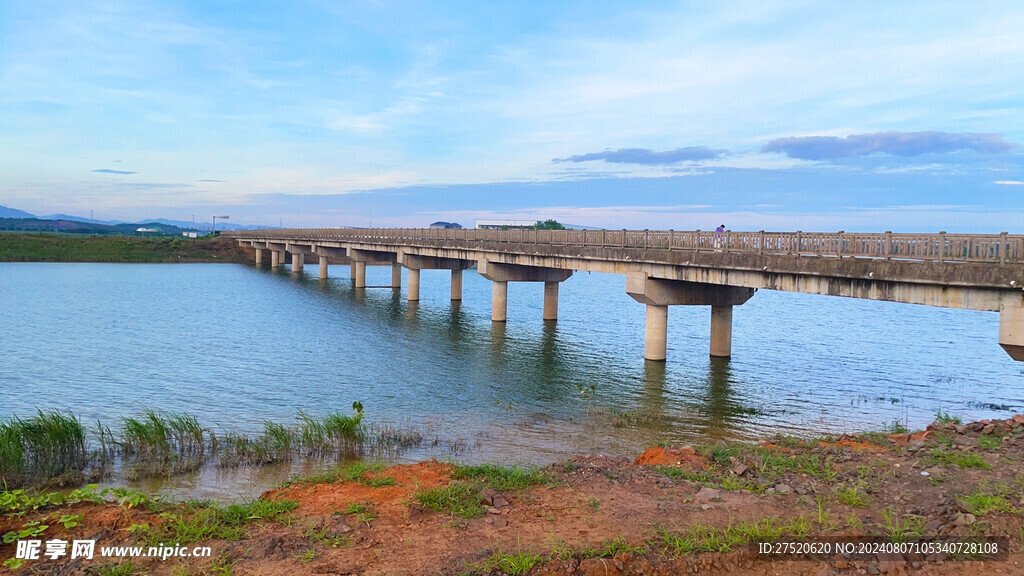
(718, 236)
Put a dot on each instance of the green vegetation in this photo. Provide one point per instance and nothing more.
(911, 526)
(502, 479)
(363, 511)
(458, 499)
(945, 418)
(702, 538)
(16, 247)
(56, 446)
(47, 445)
(854, 496)
(199, 521)
(115, 569)
(961, 459)
(548, 224)
(991, 442)
(512, 564)
(613, 548)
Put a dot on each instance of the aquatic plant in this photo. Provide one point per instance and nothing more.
(47, 445)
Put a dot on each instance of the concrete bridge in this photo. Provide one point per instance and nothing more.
(675, 268)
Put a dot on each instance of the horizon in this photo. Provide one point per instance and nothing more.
(777, 116)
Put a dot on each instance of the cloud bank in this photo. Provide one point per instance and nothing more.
(890, 142)
(648, 157)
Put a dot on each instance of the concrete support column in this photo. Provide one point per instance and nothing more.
(360, 274)
(551, 300)
(656, 332)
(297, 261)
(414, 285)
(721, 331)
(499, 301)
(323, 267)
(456, 285)
(259, 256)
(1011, 327)
(396, 275)
(275, 259)
(352, 270)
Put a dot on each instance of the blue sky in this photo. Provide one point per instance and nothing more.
(763, 115)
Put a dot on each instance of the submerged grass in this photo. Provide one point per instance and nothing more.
(44, 446)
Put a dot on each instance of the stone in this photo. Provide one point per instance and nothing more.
(740, 469)
(493, 510)
(783, 488)
(498, 501)
(964, 519)
(988, 429)
(705, 494)
(1018, 418)
(915, 445)
(959, 428)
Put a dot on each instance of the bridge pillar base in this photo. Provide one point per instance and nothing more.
(456, 285)
(721, 331)
(396, 275)
(352, 270)
(323, 267)
(275, 258)
(360, 267)
(499, 300)
(656, 333)
(414, 285)
(298, 260)
(259, 257)
(1011, 327)
(551, 300)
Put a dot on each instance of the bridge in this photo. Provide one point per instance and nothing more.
(685, 268)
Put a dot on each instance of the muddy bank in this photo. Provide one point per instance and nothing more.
(15, 247)
(670, 510)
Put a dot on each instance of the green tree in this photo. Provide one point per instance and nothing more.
(549, 225)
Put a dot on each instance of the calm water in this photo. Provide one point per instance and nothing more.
(236, 345)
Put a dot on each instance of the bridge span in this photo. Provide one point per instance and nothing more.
(691, 268)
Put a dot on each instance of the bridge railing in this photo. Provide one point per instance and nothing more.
(993, 248)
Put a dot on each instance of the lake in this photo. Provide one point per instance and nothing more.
(236, 345)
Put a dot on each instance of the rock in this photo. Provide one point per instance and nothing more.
(872, 569)
(498, 501)
(487, 496)
(988, 429)
(493, 510)
(783, 488)
(915, 445)
(960, 429)
(740, 469)
(705, 494)
(340, 526)
(1018, 418)
(975, 426)
(964, 519)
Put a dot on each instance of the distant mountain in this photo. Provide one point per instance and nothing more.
(6, 212)
(79, 219)
(221, 225)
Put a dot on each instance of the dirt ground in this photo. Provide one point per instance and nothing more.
(658, 513)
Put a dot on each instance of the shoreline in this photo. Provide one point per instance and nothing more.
(20, 247)
(670, 510)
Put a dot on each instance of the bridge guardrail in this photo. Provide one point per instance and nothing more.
(1001, 248)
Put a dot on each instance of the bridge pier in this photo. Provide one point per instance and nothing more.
(396, 275)
(275, 258)
(323, 267)
(415, 263)
(1011, 326)
(658, 294)
(414, 285)
(501, 274)
(360, 267)
(297, 262)
(259, 257)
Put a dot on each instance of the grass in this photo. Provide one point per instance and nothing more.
(201, 521)
(161, 435)
(991, 442)
(512, 564)
(457, 499)
(702, 538)
(115, 569)
(319, 437)
(945, 418)
(956, 458)
(613, 548)
(44, 446)
(987, 499)
(362, 511)
(854, 496)
(501, 478)
(902, 529)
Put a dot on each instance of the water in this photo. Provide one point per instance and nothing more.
(237, 345)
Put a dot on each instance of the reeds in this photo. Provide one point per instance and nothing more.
(47, 445)
(156, 443)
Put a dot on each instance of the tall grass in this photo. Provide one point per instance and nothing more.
(47, 445)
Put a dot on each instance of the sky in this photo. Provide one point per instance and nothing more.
(775, 115)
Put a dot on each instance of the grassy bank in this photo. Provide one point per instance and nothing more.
(673, 510)
(16, 247)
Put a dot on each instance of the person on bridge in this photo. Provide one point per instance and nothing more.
(718, 235)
